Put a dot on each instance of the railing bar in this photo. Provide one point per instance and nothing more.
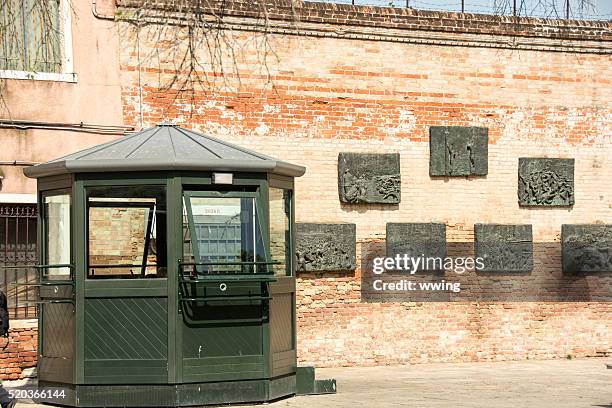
(6, 238)
(45, 283)
(51, 301)
(104, 266)
(27, 271)
(37, 266)
(16, 253)
(227, 321)
(219, 279)
(228, 263)
(5, 275)
(223, 298)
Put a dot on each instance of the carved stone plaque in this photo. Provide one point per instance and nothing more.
(586, 247)
(504, 248)
(458, 151)
(546, 182)
(417, 239)
(325, 247)
(369, 178)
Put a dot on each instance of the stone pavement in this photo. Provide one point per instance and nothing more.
(520, 384)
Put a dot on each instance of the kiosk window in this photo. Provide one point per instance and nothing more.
(126, 232)
(280, 234)
(56, 220)
(223, 234)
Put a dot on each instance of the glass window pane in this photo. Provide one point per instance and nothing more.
(126, 232)
(31, 35)
(226, 230)
(280, 237)
(12, 51)
(57, 234)
(43, 36)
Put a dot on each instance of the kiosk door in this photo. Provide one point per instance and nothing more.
(125, 330)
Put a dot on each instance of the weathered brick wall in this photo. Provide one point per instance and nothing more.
(374, 80)
(18, 354)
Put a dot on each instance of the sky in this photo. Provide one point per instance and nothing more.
(602, 9)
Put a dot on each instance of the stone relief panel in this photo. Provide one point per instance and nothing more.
(504, 248)
(369, 178)
(325, 247)
(546, 182)
(417, 239)
(458, 151)
(586, 247)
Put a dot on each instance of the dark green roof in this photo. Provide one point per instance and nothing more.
(165, 147)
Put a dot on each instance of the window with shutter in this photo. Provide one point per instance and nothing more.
(35, 39)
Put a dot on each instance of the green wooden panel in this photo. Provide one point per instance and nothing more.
(126, 288)
(122, 371)
(126, 329)
(222, 340)
(57, 344)
(224, 368)
(58, 328)
(284, 363)
(281, 322)
(59, 370)
(282, 327)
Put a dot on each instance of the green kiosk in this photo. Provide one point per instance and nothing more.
(167, 274)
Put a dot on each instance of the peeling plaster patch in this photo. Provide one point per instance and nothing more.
(230, 114)
(218, 129)
(262, 129)
(514, 125)
(406, 122)
(271, 108)
(572, 117)
(449, 340)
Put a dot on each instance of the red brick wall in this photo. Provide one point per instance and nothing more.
(362, 79)
(18, 351)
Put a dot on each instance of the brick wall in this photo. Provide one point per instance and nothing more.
(18, 351)
(366, 79)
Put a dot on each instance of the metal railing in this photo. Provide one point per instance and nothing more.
(190, 285)
(43, 281)
(18, 253)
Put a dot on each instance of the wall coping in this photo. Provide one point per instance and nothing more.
(347, 15)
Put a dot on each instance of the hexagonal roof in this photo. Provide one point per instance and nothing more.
(165, 147)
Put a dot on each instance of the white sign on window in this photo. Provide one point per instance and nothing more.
(208, 209)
